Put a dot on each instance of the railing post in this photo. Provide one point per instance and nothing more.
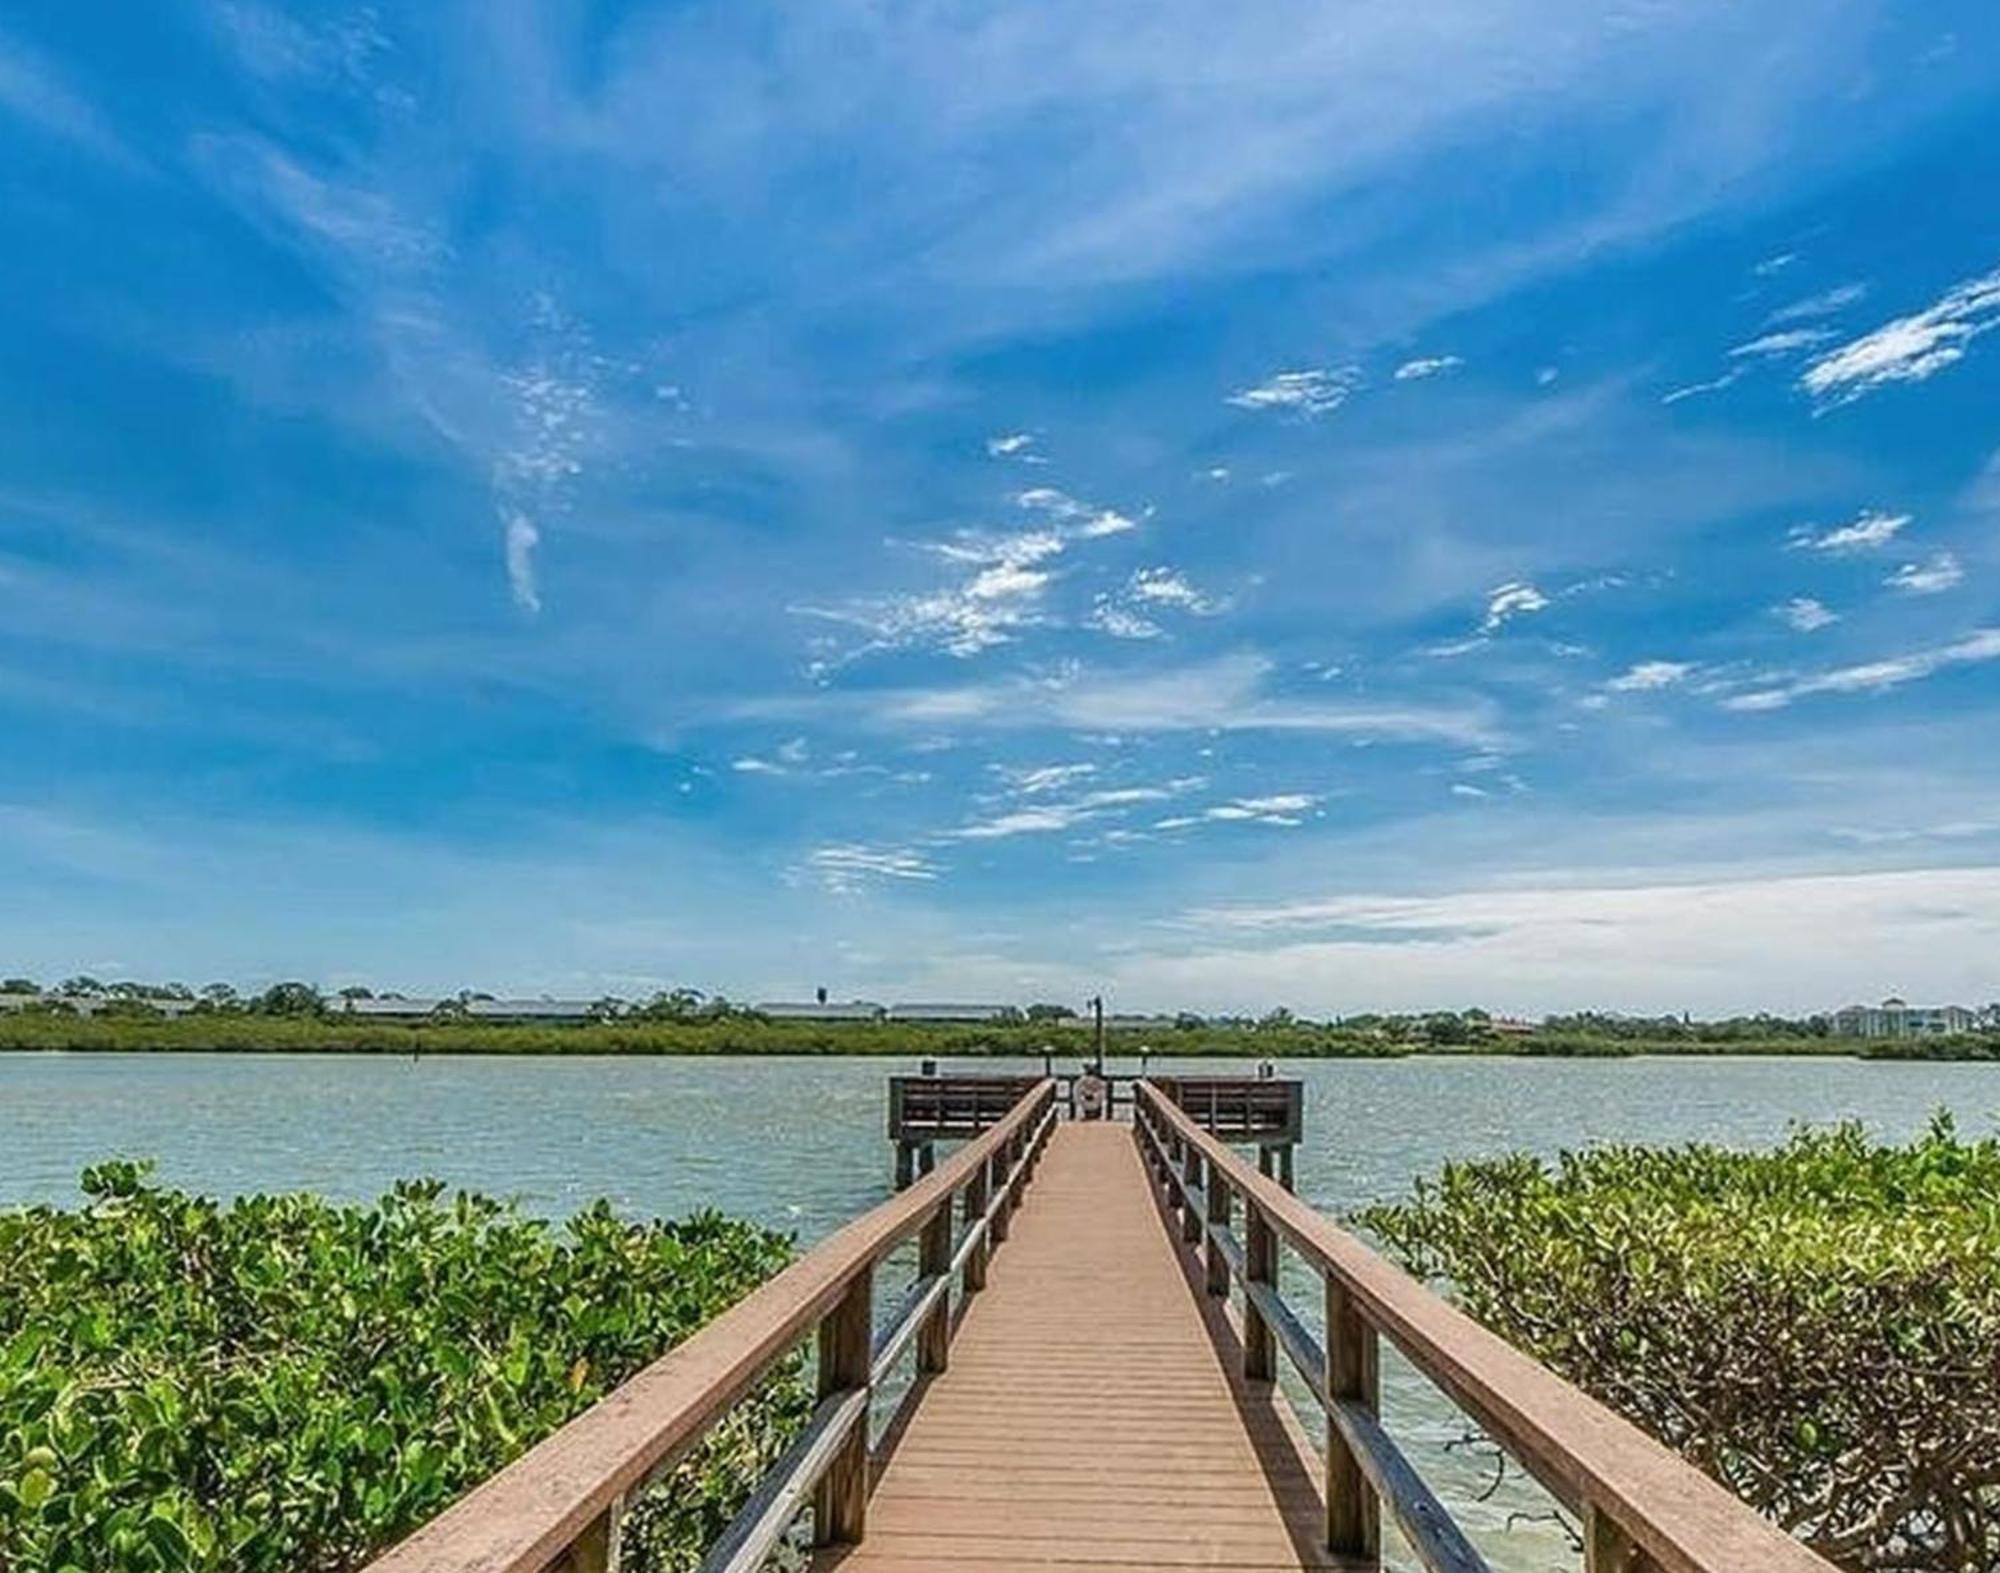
(1191, 1168)
(934, 1261)
(1260, 1265)
(840, 1501)
(975, 1209)
(596, 1549)
(1001, 1193)
(1606, 1547)
(1218, 1218)
(1353, 1514)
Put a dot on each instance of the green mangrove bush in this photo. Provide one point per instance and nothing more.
(281, 1384)
(1817, 1326)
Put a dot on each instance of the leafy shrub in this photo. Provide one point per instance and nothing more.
(286, 1385)
(1818, 1326)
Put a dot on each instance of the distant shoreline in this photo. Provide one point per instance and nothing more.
(751, 1036)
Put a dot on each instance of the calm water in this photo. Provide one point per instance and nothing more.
(799, 1144)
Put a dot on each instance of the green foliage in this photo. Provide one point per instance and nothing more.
(285, 1385)
(1817, 1326)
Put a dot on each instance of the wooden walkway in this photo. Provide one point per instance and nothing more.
(1084, 1399)
(1091, 1416)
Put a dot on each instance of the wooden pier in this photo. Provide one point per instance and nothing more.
(1095, 1328)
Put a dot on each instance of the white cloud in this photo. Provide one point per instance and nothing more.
(1037, 779)
(1869, 529)
(1875, 676)
(1938, 573)
(1283, 809)
(1467, 789)
(1695, 390)
(1227, 694)
(751, 765)
(1001, 594)
(1047, 818)
(522, 539)
(1805, 614)
(1909, 349)
(1787, 342)
(1427, 366)
(1121, 622)
(1311, 392)
(1165, 587)
(1825, 304)
(1511, 601)
(1081, 521)
(847, 868)
(1646, 676)
(1552, 944)
(1010, 445)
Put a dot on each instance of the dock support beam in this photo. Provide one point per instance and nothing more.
(840, 1501)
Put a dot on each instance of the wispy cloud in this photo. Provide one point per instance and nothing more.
(1909, 349)
(1805, 614)
(1311, 392)
(1826, 303)
(1034, 780)
(1286, 810)
(847, 868)
(1696, 390)
(1509, 601)
(1229, 694)
(1001, 591)
(1788, 342)
(1875, 676)
(1937, 573)
(1018, 445)
(522, 540)
(1868, 530)
(1080, 520)
(1427, 366)
(1647, 676)
(32, 90)
(1045, 818)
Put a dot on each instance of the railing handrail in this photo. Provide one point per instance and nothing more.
(1591, 1458)
(529, 1513)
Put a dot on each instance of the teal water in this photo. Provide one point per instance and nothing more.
(799, 1144)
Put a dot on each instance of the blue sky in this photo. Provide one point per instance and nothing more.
(1373, 506)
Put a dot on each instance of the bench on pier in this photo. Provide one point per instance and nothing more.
(925, 1110)
(1245, 1109)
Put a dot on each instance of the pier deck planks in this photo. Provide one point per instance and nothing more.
(1089, 1418)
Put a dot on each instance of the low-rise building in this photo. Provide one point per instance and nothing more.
(972, 1013)
(820, 1010)
(1895, 1018)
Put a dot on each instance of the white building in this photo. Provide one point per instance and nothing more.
(1895, 1018)
(820, 1010)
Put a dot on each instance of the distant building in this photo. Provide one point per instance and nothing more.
(546, 1012)
(1512, 1026)
(91, 1004)
(950, 1012)
(820, 1010)
(391, 1008)
(1895, 1018)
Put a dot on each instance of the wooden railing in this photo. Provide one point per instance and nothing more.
(559, 1506)
(1642, 1508)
